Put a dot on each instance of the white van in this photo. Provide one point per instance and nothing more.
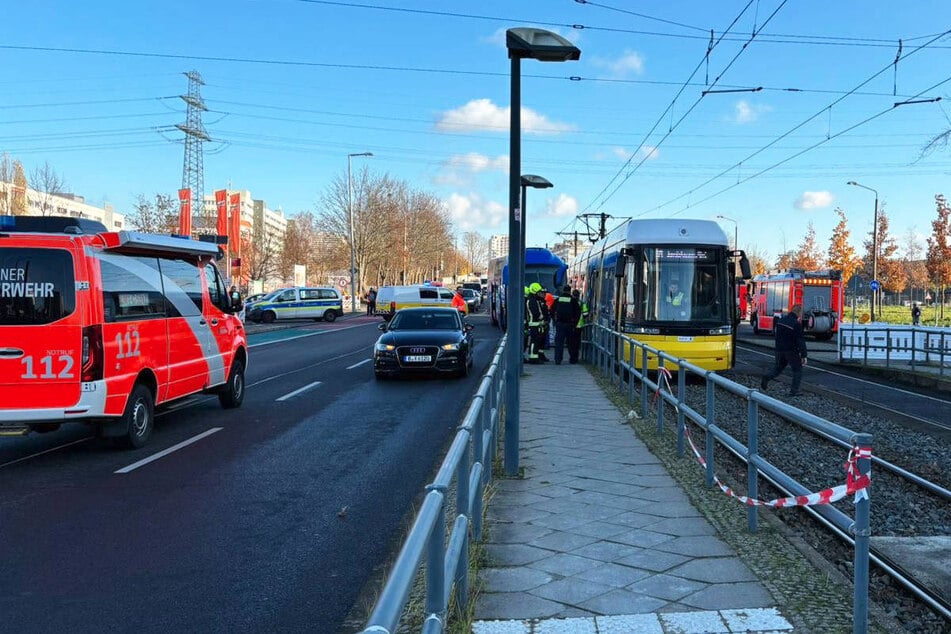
(390, 299)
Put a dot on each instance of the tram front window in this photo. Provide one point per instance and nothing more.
(676, 285)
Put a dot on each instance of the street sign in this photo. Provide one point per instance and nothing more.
(874, 285)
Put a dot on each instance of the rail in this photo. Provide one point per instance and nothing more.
(467, 465)
(918, 346)
(622, 359)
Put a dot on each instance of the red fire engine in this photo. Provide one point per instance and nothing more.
(819, 292)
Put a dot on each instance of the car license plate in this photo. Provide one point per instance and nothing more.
(417, 358)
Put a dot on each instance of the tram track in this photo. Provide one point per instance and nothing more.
(900, 492)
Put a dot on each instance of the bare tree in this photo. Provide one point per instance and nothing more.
(398, 234)
(475, 246)
(260, 260)
(48, 184)
(914, 264)
(759, 263)
(158, 215)
(12, 187)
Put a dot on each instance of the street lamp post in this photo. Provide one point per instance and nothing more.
(545, 46)
(353, 252)
(526, 180)
(874, 246)
(736, 244)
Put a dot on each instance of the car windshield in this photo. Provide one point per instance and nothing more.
(424, 321)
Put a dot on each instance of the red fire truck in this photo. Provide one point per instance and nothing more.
(819, 292)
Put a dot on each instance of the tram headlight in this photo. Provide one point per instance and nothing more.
(644, 331)
(722, 330)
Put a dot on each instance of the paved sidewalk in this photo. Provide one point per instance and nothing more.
(597, 538)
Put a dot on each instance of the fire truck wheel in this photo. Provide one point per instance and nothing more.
(232, 394)
(138, 418)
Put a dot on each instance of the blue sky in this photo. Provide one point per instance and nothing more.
(428, 95)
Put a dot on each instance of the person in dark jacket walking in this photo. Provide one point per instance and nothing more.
(915, 314)
(790, 349)
(566, 314)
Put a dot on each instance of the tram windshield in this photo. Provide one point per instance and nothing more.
(677, 284)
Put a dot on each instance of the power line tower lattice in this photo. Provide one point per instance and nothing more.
(193, 174)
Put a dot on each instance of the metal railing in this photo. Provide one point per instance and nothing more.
(467, 465)
(606, 349)
(921, 347)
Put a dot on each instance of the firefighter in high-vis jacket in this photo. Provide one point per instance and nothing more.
(536, 314)
(574, 340)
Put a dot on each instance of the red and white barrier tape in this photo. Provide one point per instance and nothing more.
(855, 482)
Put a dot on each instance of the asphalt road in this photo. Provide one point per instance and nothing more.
(272, 521)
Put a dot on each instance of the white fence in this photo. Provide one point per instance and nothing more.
(886, 342)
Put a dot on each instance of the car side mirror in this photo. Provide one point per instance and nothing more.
(382, 326)
(468, 327)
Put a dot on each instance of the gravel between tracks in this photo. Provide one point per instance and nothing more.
(819, 601)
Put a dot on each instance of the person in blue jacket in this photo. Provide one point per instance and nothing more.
(790, 349)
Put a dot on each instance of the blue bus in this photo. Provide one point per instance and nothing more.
(541, 265)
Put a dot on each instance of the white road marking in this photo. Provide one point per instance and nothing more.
(298, 391)
(165, 452)
(310, 334)
(361, 350)
(35, 455)
(357, 365)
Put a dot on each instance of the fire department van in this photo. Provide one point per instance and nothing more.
(100, 327)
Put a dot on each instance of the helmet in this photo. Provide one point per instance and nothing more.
(535, 287)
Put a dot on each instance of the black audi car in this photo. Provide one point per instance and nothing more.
(420, 340)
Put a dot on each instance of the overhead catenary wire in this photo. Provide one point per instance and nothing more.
(799, 126)
(602, 198)
(805, 150)
(818, 40)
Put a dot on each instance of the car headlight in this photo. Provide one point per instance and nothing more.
(450, 346)
(384, 347)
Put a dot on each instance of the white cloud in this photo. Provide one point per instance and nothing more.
(814, 200)
(459, 169)
(482, 114)
(649, 151)
(475, 162)
(471, 212)
(630, 63)
(563, 205)
(745, 112)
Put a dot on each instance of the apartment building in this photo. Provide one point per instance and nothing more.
(66, 204)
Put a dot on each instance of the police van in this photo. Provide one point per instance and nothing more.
(100, 327)
(297, 303)
(390, 299)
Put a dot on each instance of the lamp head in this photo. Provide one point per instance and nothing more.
(538, 182)
(851, 183)
(545, 46)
